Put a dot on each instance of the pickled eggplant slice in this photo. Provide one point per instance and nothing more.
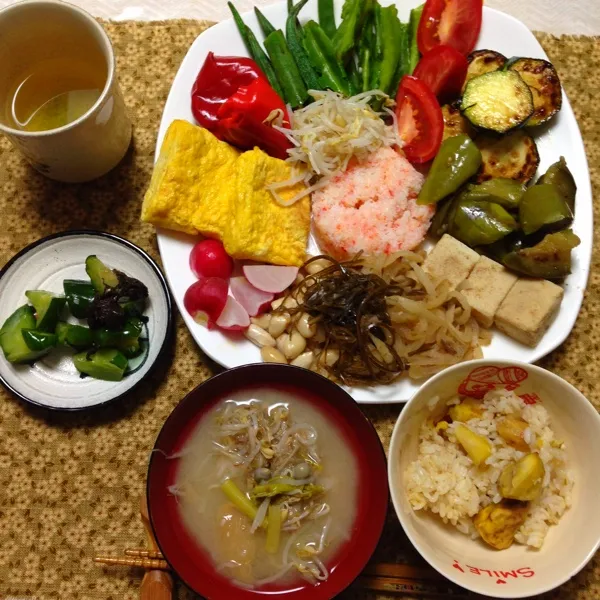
(549, 259)
(560, 175)
(513, 156)
(543, 208)
(484, 61)
(544, 83)
(498, 101)
(480, 223)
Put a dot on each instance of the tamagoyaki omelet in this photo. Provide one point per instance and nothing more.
(203, 185)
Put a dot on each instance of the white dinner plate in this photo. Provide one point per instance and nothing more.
(561, 137)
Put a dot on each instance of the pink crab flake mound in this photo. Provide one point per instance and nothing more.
(372, 207)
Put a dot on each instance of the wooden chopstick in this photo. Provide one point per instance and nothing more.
(401, 578)
(400, 585)
(143, 553)
(144, 563)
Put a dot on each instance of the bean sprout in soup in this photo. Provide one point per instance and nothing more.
(267, 485)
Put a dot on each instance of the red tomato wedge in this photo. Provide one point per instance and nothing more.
(420, 120)
(453, 22)
(444, 70)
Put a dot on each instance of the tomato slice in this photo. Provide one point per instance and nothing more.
(420, 120)
(453, 22)
(444, 70)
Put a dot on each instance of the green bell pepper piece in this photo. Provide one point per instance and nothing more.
(543, 207)
(480, 223)
(107, 364)
(354, 14)
(559, 175)
(503, 191)
(457, 161)
(127, 340)
(549, 259)
(388, 31)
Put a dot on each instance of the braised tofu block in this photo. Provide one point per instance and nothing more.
(451, 260)
(528, 309)
(486, 287)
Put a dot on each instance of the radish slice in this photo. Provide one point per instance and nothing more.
(206, 299)
(251, 298)
(234, 316)
(270, 278)
(209, 259)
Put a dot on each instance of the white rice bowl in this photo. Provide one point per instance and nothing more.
(562, 528)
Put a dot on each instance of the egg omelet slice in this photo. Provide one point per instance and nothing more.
(192, 168)
(203, 185)
(260, 228)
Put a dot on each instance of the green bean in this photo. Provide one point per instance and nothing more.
(285, 66)
(265, 25)
(365, 55)
(255, 50)
(415, 18)
(308, 74)
(321, 53)
(377, 49)
(326, 17)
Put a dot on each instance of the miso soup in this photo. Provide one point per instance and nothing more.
(268, 487)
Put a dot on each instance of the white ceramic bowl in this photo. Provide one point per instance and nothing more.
(53, 381)
(517, 571)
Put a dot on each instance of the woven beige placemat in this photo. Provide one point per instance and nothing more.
(70, 484)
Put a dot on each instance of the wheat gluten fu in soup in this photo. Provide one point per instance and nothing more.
(267, 485)
(494, 468)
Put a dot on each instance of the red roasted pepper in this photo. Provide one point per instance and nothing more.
(232, 98)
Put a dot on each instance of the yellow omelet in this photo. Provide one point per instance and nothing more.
(203, 185)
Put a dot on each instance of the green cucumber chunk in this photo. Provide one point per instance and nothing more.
(76, 336)
(107, 364)
(12, 342)
(101, 275)
(39, 341)
(80, 295)
(48, 308)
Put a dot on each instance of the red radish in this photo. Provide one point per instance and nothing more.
(205, 300)
(209, 259)
(234, 316)
(251, 298)
(270, 278)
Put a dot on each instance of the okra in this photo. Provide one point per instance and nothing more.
(294, 90)
(413, 26)
(326, 17)
(265, 25)
(321, 52)
(308, 74)
(255, 50)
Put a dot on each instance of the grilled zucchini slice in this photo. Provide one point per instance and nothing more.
(498, 101)
(513, 156)
(543, 81)
(454, 122)
(484, 61)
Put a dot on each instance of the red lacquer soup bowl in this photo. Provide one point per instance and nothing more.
(192, 563)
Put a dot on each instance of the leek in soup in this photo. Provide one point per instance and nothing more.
(267, 485)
